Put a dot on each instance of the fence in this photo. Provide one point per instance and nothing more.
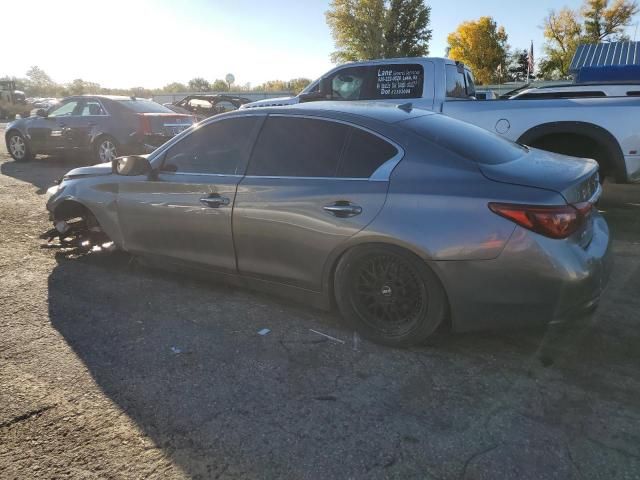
(253, 96)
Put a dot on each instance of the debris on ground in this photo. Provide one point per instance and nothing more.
(264, 331)
(327, 336)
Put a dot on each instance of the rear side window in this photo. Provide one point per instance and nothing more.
(144, 106)
(298, 147)
(378, 82)
(469, 141)
(363, 154)
(220, 148)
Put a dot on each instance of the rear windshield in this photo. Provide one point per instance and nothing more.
(469, 141)
(378, 82)
(144, 106)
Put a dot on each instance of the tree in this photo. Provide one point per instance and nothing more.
(566, 29)
(519, 67)
(273, 86)
(481, 45)
(80, 87)
(39, 83)
(175, 87)
(219, 85)
(366, 29)
(296, 85)
(602, 22)
(199, 84)
(406, 33)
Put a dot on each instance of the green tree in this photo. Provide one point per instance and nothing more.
(38, 83)
(481, 45)
(199, 84)
(519, 66)
(604, 22)
(219, 85)
(366, 29)
(175, 87)
(296, 85)
(406, 29)
(80, 87)
(566, 29)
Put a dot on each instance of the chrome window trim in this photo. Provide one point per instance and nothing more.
(381, 174)
(230, 175)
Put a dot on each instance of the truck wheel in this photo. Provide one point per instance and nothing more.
(389, 295)
(18, 147)
(106, 149)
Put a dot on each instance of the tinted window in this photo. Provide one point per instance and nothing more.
(298, 147)
(364, 154)
(144, 106)
(455, 82)
(64, 110)
(471, 85)
(465, 139)
(378, 82)
(220, 147)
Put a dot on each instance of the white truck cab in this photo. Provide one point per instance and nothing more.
(597, 127)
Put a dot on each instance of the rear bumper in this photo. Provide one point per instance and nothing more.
(534, 281)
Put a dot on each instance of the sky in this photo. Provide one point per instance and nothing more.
(150, 43)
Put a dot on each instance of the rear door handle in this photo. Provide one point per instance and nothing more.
(215, 201)
(343, 209)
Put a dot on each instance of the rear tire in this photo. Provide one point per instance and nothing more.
(18, 147)
(106, 149)
(389, 295)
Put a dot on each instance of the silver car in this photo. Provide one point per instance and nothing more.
(404, 219)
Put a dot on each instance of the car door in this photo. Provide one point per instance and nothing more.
(311, 184)
(92, 115)
(48, 134)
(184, 211)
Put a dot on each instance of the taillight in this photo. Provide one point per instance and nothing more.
(145, 125)
(555, 222)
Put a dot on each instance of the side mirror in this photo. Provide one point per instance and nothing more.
(131, 166)
(41, 112)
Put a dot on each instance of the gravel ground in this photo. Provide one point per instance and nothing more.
(111, 370)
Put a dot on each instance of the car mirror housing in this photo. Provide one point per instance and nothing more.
(131, 166)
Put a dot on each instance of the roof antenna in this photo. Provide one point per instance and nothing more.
(406, 107)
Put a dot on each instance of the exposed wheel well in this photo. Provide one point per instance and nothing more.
(70, 209)
(580, 140)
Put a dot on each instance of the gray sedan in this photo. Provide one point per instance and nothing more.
(404, 219)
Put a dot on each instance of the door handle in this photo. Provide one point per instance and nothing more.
(215, 201)
(343, 209)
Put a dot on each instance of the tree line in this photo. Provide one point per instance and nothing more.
(37, 83)
(367, 29)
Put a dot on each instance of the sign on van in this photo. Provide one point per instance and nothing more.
(399, 81)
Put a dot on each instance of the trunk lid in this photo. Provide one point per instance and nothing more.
(575, 178)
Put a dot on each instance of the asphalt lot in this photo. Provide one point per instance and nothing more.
(112, 370)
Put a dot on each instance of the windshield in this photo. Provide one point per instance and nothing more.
(144, 106)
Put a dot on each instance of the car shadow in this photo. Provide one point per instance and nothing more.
(185, 360)
(42, 171)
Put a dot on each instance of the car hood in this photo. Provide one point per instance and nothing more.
(92, 171)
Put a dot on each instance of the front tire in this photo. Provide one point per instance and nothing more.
(389, 295)
(106, 149)
(18, 147)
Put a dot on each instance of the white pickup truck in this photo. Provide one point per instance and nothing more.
(606, 129)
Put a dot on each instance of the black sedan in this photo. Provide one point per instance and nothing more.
(101, 127)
